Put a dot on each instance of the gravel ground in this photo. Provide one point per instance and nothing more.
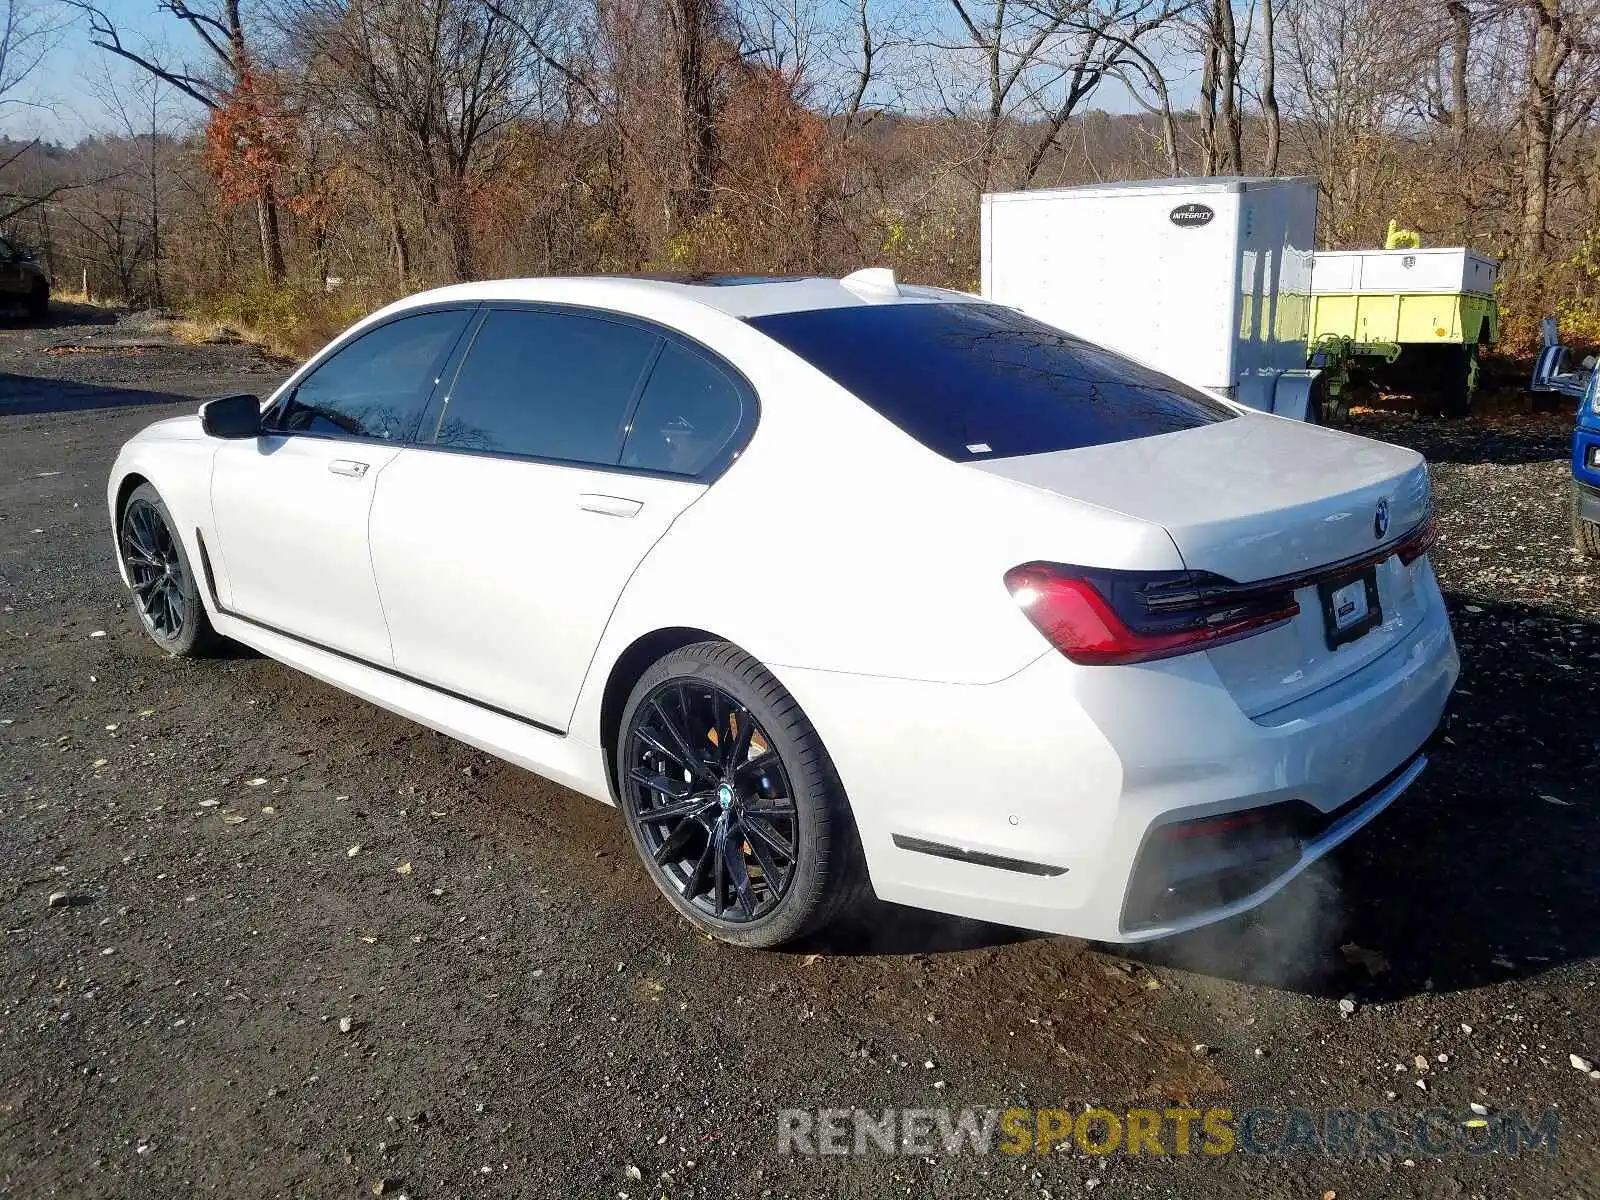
(315, 950)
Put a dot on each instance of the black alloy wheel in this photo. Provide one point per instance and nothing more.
(151, 554)
(712, 801)
(165, 591)
(732, 802)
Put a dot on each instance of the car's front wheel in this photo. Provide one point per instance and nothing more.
(1585, 534)
(166, 593)
(731, 800)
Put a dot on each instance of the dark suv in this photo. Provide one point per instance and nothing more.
(23, 281)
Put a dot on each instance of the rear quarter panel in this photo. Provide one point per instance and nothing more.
(838, 543)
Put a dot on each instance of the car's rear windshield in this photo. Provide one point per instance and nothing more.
(980, 381)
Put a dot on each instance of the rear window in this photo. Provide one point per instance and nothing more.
(979, 381)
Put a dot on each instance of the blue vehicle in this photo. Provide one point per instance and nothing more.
(1555, 373)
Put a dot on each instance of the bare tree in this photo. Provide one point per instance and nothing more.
(1561, 90)
(141, 111)
(220, 29)
(1350, 83)
(28, 33)
(1146, 82)
(428, 92)
(1224, 38)
(838, 53)
(443, 138)
(1038, 63)
(696, 32)
(1458, 114)
(1269, 87)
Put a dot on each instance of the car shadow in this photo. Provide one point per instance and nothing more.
(877, 928)
(1486, 870)
(27, 395)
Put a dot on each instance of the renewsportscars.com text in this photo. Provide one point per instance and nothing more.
(1342, 1132)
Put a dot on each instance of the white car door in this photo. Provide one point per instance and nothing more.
(290, 507)
(568, 443)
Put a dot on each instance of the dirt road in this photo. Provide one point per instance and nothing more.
(308, 948)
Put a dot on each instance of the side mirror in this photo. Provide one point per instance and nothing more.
(232, 416)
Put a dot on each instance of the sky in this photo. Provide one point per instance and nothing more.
(61, 104)
(64, 96)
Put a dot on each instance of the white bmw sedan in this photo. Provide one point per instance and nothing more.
(827, 584)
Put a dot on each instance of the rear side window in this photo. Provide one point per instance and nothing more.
(547, 385)
(377, 385)
(979, 381)
(689, 411)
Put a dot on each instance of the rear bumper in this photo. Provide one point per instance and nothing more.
(1060, 773)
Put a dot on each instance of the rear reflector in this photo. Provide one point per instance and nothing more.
(1214, 826)
(1418, 542)
(1191, 867)
(1108, 617)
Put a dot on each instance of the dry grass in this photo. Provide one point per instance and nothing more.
(284, 322)
(195, 330)
(289, 321)
(207, 331)
(191, 331)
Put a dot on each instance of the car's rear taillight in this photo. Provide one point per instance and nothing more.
(1097, 617)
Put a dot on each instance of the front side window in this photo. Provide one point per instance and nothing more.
(551, 385)
(689, 411)
(378, 385)
(979, 381)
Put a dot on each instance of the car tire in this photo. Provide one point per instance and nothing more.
(165, 589)
(1585, 534)
(723, 778)
(1459, 379)
(39, 300)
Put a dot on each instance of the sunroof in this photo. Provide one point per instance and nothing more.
(707, 279)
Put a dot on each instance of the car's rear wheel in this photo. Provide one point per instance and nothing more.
(731, 800)
(166, 593)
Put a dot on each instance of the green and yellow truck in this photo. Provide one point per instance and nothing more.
(1412, 317)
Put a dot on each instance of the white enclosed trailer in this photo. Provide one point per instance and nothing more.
(1207, 280)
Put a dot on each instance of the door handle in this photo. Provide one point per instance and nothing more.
(348, 466)
(611, 506)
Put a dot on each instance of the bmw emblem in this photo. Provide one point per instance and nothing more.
(725, 796)
(1380, 521)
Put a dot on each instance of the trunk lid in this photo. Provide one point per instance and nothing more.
(1260, 498)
